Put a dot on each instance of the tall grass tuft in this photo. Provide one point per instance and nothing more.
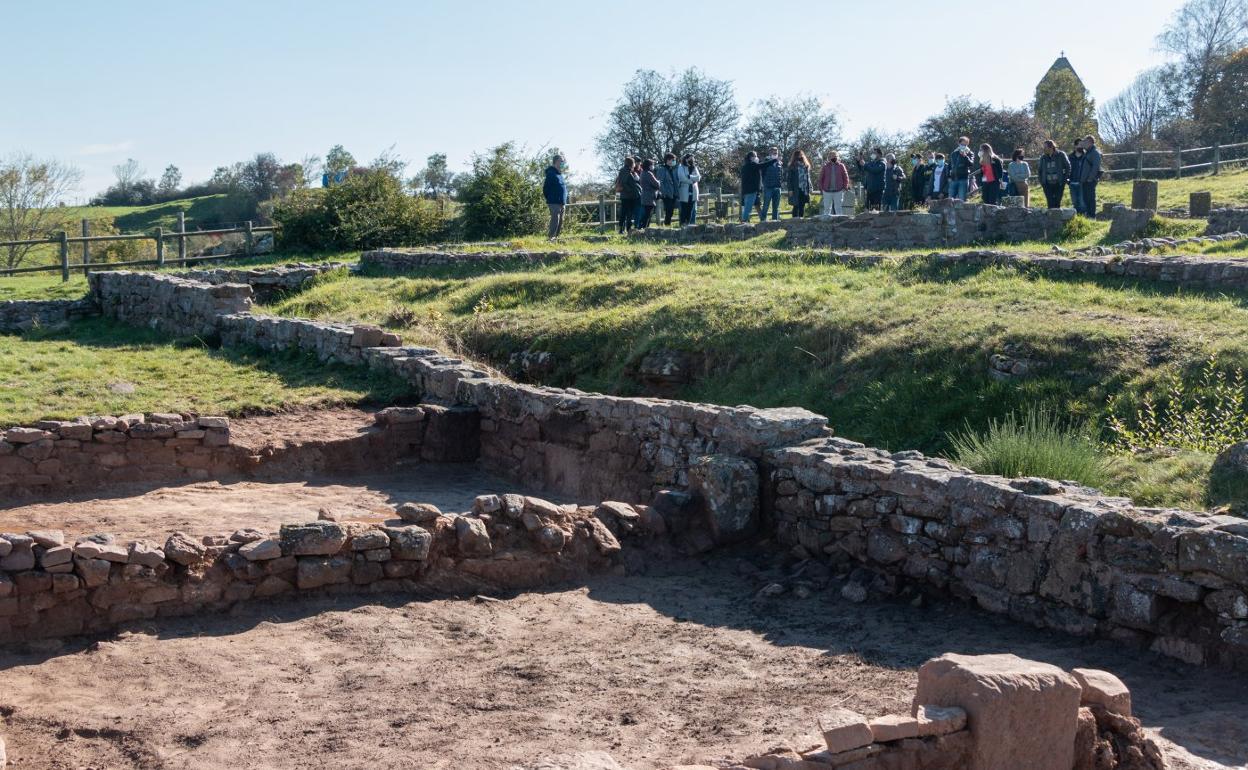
(1036, 443)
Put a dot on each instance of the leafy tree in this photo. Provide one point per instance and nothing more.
(1003, 128)
(1063, 107)
(1201, 34)
(502, 195)
(435, 178)
(798, 123)
(338, 160)
(889, 141)
(170, 181)
(1225, 111)
(30, 189)
(259, 176)
(689, 112)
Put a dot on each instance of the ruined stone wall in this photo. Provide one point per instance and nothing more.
(51, 586)
(1227, 221)
(179, 306)
(17, 316)
(1039, 551)
(267, 283)
(401, 260)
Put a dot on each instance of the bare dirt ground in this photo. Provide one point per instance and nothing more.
(681, 666)
(213, 507)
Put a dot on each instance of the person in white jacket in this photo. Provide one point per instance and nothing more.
(687, 177)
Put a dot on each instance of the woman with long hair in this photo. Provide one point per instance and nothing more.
(799, 183)
(991, 171)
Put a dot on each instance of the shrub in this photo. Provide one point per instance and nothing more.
(503, 196)
(1160, 227)
(367, 210)
(1076, 229)
(1205, 416)
(1036, 443)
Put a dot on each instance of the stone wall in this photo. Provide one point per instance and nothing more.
(1042, 552)
(1227, 221)
(402, 260)
(945, 223)
(52, 586)
(17, 316)
(179, 306)
(267, 283)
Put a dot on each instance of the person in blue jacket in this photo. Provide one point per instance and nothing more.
(555, 189)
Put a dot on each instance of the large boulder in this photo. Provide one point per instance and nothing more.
(1228, 478)
(727, 488)
(1023, 715)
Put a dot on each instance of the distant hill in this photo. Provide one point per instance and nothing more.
(204, 213)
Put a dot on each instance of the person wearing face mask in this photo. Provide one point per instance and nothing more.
(668, 183)
(894, 177)
(751, 184)
(555, 190)
(687, 177)
(799, 183)
(1076, 176)
(773, 177)
(919, 179)
(833, 182)
(961, 166)
(991, 171)
(1053, 170)
(650, 189)
(873, 172)
(939, 186)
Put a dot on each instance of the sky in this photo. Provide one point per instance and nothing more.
(201, 85)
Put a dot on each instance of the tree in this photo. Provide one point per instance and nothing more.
(129, 173)
(435, 178)
(798, 123)
(1200, 34)
(871, 138)
(1002, 128)
(311, 167)
(1226, 109)
(689, 112)
(259, 176)
(1063, 107)
(170, 181)
(502, 196)
(29, 191)
(338, 160)
(1132, 119)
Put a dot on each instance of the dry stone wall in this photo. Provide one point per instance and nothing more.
(179, 306)
(404, 260)
(1047, 553)
(52, 586)
(1227, 221)
(18, 316)
(266, 283)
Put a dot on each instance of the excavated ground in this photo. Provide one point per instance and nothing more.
(682, 665)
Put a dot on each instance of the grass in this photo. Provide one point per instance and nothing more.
(1036, 442)
(100, 367)
(1165, 478)
(1229, 188)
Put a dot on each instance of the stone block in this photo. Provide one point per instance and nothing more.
(318, 538)
(260, 550)
(1022, 714)
(1144, 194)
(844, 730)
(314, 572)
(1199, 204)
(472, 536)
(1101, 688)
(409, 543)
(727, 488)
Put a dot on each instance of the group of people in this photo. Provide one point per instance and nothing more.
(641, 183)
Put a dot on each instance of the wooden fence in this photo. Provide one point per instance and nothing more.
(62, 240)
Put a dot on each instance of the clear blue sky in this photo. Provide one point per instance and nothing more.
(205, 84)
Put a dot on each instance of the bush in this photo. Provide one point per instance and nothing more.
(1207, 415)
(367, 210)
(503, 196)
(1037, 443)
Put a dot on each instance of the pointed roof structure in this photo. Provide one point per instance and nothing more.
(1062, 63)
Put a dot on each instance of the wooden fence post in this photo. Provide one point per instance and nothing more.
(1217, 157)
(160, 247)
(248, 239)
(719, 202)
(86, 246)
(1139, 163)
(1178, 164)
(602, 212)
(64, 239)
(182, 238)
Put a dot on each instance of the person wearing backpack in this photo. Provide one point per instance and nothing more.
(1089, 175)
(687, 190)
(669, 181)
(555, 191)
(962, 166)
(628, 185)
(1053, 168)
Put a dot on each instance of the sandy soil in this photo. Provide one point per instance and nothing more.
(656, 669)
(297, 427)
(213, 507)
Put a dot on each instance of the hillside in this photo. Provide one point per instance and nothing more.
(203, 212)
(1230, 188)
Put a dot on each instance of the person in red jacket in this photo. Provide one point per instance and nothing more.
(833, 182)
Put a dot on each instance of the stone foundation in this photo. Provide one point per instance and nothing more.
(403, 260)
(267, 283)
(1227, 221)
(18, 316)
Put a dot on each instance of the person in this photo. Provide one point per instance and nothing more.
(991, 170)
(751, 183)
(687, 190)
(799, 183)
(1076, 173)
(628, 185)
(1020, 177)
(833, 182)
(873, 172)
(1053, 170)
(1090, 175)
(938, 187)
(668, 181)
(919, 183)
(961, 166)
(773, 174)
(650, 189)
(555, 190)
(894, 176)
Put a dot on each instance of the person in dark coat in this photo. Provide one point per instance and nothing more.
(751, 183)
(894, 178)
(1090, 175)
(938, 178)
(669, 183)
(555, 191)
(962, 166)
(991, 174)
(799, 183)
(650, 189)
(1053, 169)
(919, 179)
(628, 185)
(873, 172)
(773, 175)
(1076, 177)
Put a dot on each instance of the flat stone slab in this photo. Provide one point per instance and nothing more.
(1101, 688)
(844, 730)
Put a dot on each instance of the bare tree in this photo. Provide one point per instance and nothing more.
(1132, 117)
(1201, 34)
(799, 123)
(689, 112)
(29, 190)
(311, 166)
(129, 173)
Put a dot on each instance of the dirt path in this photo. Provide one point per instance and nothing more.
(213, 507)
(655, 669)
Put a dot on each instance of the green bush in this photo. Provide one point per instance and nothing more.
(1206, 415)
(367, 210)
(1076, 229)
(1160, 227)
(503, 196)
(1036, 443)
